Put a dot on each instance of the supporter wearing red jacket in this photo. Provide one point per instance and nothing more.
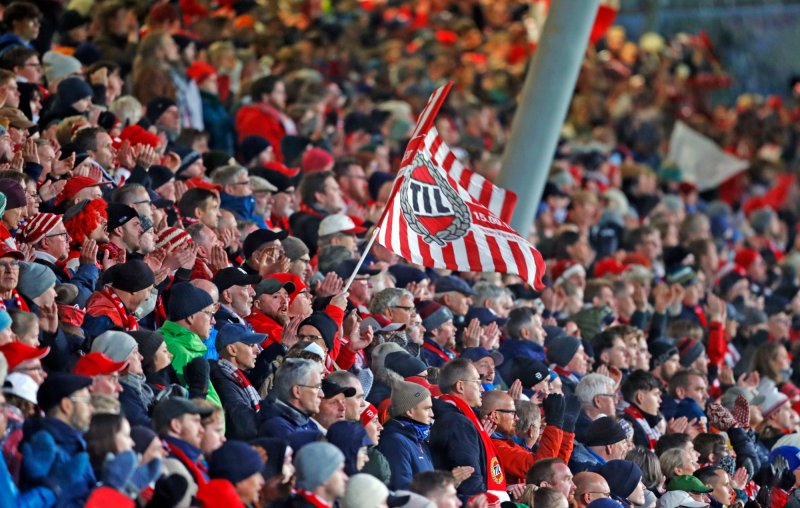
(264, 116)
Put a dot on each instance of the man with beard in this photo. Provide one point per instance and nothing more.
(125, 229)
(113, 306)
(178, 423)
(211, 256)
(353, 182)
(98, 144)
(440, 334)
(49, 237)
(321, 196)
(235, 296)
(66, 403)
(271, 308)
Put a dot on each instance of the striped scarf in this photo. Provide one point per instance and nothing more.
(652, 433)
(232, 372)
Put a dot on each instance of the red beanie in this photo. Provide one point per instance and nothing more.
(316, 159)
(39, 226)
(200, 71)
(608, 266)
(745, 257)
(137, 135)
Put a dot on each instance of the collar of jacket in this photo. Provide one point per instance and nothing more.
(291, 413)
(183, 337)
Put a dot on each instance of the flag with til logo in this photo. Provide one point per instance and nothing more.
(443, 215)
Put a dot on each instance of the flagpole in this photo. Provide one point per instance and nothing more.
(363, 257)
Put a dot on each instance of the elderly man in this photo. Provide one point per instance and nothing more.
(298, 394)
(605, 440)
(263, 251)
(588, 487)
(597, 397)
(440, 334)
(237, 193)
(235, 296)
(51, 242)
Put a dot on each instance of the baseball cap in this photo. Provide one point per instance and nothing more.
(175, 407)
(453, 283)
(75, 185)
(259, 237)
(97, 364)
(234, 276)
(270, 286)
(8, 251)
(345, 269)
(688, 483)
(17, 352)
(58, 386)
(21, 385)
(339, 223)
(231, 333)
(119, 215)
(331, 389)
(679, 499)
(476, 353)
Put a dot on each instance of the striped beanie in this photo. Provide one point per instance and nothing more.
(39, 226)
(173, 238)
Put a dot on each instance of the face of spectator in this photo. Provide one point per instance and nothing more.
(349, 242)
(213, 435)
(401, 311)
(13, 217)
(472, 388)
(107, 385)
(580, 362)
(457, 302)
(12, 94)
(617, 356)
(240, 186)
(162, 358)
(275, 306)
(779, 326)
(422, 412)
(122, 439)
(330, 199)
(202, 321)
(701, 364)
(331, 410)
(6, 145)
(301, 305)
(79, 411)
(336, 484)
(562, 480)
(721, 484)
(310, 396)
(355, 184)
(445, 335)
(448, 497)
(241, 299)
(361, 458)
(278, 95)
(649, 401)
(9, 273)
(374, 429)
(650, 246)
(697, 389)
(29, 337)
(637, 496)
(263, 202)
(284, 203)
(34, 369)
(189, 428)
(104, 155)
(785, 417)
(505, 417)
(250, 488)
(485, 368)
(56, 242)
(31, 70)
(244, 354)
(209, 214)
(353, 405)
(27, 29)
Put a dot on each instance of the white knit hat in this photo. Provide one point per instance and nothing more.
(364, 491)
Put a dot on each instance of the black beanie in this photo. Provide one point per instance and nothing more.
(325, 324)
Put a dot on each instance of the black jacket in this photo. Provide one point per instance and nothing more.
(455, 442)
(240, 415)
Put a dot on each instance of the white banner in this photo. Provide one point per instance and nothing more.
(701, 161)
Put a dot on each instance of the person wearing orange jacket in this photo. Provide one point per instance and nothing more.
(516, 459)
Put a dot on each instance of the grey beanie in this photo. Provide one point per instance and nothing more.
(366, 378)
(406, 396)
(380, 353)
(365, 491)
(760, 220)
(58, 66)
(115, 345)
(315, 463)
(35, 279)
(561, 349)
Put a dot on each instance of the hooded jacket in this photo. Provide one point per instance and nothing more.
(185, 346)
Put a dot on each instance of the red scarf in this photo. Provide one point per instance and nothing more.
(129, 322)
(495, 478)
(439, 352)
(312, 498)
(197, 470)
(651, 433)
(20, 303)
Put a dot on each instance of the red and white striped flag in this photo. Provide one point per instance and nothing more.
(433, 220)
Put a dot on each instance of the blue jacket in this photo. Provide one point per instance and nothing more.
(518, 348)
(218, 123)
(584, 459)
(406, 453)
(69, 442)
(11, 497)
(243, 207)
(455, 442)
(283, 421)
(431, 358)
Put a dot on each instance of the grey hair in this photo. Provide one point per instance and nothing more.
(226, 175)
(591, 386)
(528, 413)
(453, 372)
(488, 291)
(387, 298)
(128, 109)
(126, 194)
(344, 378)
(292, 372)
(671, 460)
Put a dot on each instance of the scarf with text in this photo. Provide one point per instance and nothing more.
(129, 322)
(495, 478)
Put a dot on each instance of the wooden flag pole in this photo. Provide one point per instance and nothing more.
(363, 257)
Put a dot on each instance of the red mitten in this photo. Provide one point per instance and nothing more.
(741, 412)
(719, 417)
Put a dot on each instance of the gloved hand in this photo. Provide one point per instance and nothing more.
(67, 474)
(554, 406)
(572, 408)
(38, 455)
(123, 473)
(741, 412)
(720, 417)
(782, 476)
(196, 373)
(169, 491)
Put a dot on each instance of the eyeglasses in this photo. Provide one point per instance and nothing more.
(407, 308)
(10, 264)
(316, 388)
(479, 381)
(310, 337)
(507, 411)
(604, 494)
(209, 313)
(65, 234)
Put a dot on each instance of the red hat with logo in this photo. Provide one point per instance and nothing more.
(98, 364)
(368, 414)
(7, 251)
(17, 352)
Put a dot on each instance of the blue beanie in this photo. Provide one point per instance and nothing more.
(186, 300)
(234, 461)
(5, 319)
(73, 89)
(604, 503)
(251, 147)
(348, 437)
(622, 476)
(790, 453)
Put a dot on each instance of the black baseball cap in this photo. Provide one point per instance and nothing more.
(345, 269)
(234, 276)
(259, 237)
(119, 215)
(331, 389)
(270, 286)
(175, 407)
(58, 386)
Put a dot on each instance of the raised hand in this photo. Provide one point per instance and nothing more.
(461, 473)
(490, 336)
(29, 151)
(515, 390)
(329, 286)
(472, 334)
(50, 189)
(289, 332)
(218, 259)
(88, 254)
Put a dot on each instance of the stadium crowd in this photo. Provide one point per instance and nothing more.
(186, 186)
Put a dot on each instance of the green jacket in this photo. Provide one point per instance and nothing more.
(185, 346)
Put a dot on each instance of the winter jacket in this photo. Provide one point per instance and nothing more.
(261, 120)
(135, 399)
(584, 459)
(455, 442)
(240, 415)
(430, 357)
(305, 226)
(406, 452)
(83, 278)
(101, 315)
(218, 123)
(262, 323)
(185, 346)
(516, 459)
(69, 443)
(283, 421)
(11, 497)
(243, 207)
